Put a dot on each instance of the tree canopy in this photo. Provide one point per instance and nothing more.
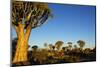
(29, 13)
(58, 44)
(81, 43)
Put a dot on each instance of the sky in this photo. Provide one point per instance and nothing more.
(70, 23)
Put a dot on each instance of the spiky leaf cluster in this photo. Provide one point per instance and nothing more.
(29, 13)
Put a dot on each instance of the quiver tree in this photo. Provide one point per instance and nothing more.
(81, 43)
(58, 45)
(70, 45)
(25, 17)
(34, 48)
(50, 46)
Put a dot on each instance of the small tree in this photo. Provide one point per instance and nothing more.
(58, 44)
(25, 17)
(87, 50)
(53, 47)
(75, 46)
(45, 45)
(34, 48)
(70, 45)
(64, 48)
(81, 43)
(50, 46)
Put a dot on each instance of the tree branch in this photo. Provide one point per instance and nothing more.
(28, 31)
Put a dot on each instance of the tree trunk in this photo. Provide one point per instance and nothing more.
(22, 44)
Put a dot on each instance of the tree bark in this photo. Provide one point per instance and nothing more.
(22, 44)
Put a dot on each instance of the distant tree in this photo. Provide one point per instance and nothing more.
(58, 45)
(45, 45)
(87, 50)
(66, 48)
(34, 48)
(75, 46)
(81, 43)
(70, 45)
(63, 48)
(25, 17)
(50, 46)
(53, 47)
